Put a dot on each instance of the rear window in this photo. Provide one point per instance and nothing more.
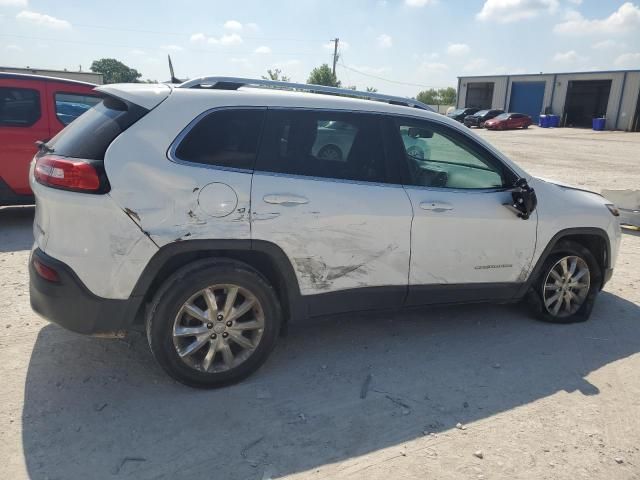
(19, 107)
(91, 134)
(70, 106)
(224, 138)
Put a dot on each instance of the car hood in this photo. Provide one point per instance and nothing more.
(566, 185)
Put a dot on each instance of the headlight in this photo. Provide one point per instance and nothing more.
(613, 209)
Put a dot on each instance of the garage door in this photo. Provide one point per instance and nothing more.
(527, 97)
(586, 100)
(479, 95)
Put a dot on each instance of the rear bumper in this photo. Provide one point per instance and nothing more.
(71, 305)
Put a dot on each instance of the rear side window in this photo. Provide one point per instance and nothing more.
(19, 107)
(70, 106)
(91, 134)
(224, 138)
(323, 144)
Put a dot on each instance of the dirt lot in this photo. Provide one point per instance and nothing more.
(534, 400)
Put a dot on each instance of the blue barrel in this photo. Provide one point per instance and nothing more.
(598, 123)
(554, 121)
(543, 121)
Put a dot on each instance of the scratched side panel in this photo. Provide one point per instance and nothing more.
(173, 201)
(348, 235)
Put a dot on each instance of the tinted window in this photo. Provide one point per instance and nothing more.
(440, 157)
(323, 144)
(19, 107)
(90, 135)
(70, 106)
(225, 138)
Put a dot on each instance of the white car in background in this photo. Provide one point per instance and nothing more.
(209, 213)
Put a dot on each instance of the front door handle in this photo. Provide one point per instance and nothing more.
(285, 199)
(436, 206)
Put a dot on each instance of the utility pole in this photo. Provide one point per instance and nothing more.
(335, 54)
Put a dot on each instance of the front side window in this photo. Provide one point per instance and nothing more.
(440, 157)
(70, 106)
(19, 107)
(224, 138)
(323, 144)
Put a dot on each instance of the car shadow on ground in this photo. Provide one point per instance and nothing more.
(334, 388)
(16, 225)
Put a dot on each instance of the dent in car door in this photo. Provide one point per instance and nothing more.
(340, 226)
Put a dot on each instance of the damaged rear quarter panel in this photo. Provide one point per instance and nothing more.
(164, 194)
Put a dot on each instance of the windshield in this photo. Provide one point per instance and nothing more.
(481, 113)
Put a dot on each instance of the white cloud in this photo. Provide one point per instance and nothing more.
(233, 25)
(172, 48)
(505, 11)
(477, 65)
(228, 39)
(576, 2)
(626, 18)
(385, 41)
(13, 3)
(607, 44)
(569, 56)
(13, 48)
(630, 60)
(252, 26)
(433, 68)
(417, 3)
(136, 51)
(263, 49)
(43, 20)
(458, 49)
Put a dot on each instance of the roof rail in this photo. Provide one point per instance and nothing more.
(233, 83)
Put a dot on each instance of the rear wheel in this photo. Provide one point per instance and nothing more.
(213, 323)
(568, 284)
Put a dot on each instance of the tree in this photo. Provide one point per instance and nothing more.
(442, 96)
(430, 97)
(448, 96)
(276, 74)
(372, 89)
(114, 71)
(323, 75)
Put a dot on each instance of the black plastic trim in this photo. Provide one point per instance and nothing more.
(70, 304)
(552, 243)
(461, 293)
(9, 197)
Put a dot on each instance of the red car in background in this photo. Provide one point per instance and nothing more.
(508, 121)
(33, 108)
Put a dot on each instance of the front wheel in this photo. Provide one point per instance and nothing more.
(568, 284)
(213, 323)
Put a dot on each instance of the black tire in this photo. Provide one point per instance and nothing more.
(535, 296)
(180, 287)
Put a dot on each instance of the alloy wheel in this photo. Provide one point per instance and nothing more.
(218, 328)
(566, 286)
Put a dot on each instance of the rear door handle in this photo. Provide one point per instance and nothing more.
(285, 199)
(436, 206)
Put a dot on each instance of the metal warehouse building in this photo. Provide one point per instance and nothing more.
(576, 97)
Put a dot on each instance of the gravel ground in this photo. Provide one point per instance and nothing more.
(532, 400)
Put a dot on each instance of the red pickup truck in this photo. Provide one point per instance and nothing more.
(33, 108)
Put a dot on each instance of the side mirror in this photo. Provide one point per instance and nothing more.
(524, 199)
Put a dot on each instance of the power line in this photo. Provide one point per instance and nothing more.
(397, 82)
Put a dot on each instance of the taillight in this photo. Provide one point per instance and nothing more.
(67, 173)
(45, 271)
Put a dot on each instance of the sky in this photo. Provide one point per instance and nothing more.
(397, 46)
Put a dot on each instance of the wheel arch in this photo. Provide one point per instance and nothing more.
(594, 239)
(266, 257)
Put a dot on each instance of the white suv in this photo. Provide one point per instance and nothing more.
(207, 212)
